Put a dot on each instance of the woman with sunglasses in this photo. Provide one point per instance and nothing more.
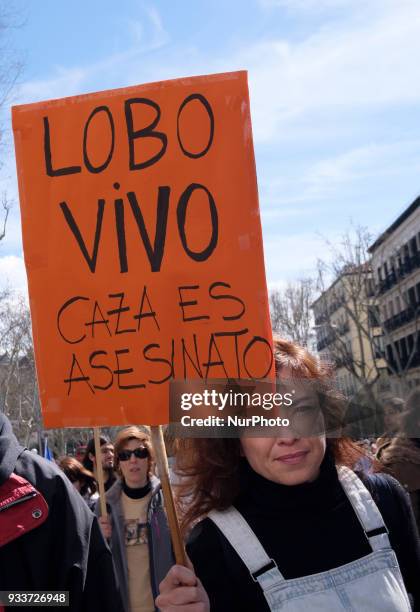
(283, 523)
(136, 525)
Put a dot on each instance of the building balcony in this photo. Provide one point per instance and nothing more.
(321, 319)
(407, 266)
(343, 329)
(335, 305)
(344, 361)
(324, 342)
(402, 318)
(331, 337)
(414, 363)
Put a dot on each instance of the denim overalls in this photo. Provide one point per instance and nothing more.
(371, 584)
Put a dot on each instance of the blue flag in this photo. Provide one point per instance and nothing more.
(47, 453)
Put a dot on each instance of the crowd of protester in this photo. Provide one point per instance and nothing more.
(286, 522)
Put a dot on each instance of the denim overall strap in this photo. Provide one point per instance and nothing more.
(246, 544)
(365, 509)
(372, 583)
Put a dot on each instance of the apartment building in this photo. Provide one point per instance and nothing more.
(396, 268)
(348, 332)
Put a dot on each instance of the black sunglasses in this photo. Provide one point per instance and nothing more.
(140, 453)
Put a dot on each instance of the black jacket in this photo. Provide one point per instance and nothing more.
(306, 529)
(67, 551)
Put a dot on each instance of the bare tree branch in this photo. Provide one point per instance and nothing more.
(5, 204)
(10, 70)
(290, 310)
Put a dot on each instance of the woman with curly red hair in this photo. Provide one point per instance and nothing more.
(284, 523)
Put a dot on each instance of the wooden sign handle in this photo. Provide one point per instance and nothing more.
(99, 471)
(162, 464)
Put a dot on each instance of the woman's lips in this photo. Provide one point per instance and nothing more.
(293, 458)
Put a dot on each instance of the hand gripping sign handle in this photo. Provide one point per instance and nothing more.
(162, 464)
(99, 471)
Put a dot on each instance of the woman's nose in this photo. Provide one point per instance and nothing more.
(286, 441)
(286, 436)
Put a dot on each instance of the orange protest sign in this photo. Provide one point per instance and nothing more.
(142, 244)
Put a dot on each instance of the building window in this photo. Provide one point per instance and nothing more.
(370, 289)
(412, 296)
(373, 316)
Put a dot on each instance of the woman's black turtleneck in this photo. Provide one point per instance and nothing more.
(138, 492)
(306, 529)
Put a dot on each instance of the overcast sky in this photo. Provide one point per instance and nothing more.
(335, 100)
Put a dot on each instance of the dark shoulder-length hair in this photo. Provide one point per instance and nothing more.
(209, 467)
(76, 472)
